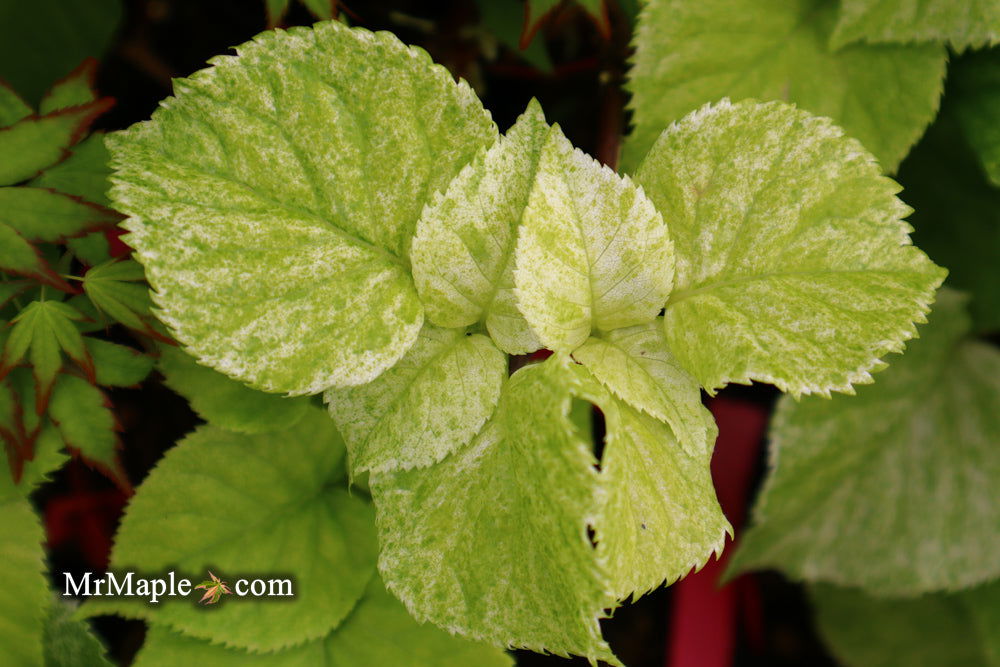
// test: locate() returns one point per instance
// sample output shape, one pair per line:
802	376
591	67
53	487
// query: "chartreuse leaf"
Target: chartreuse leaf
74	89
593	252
34	143
224	402
243	504
118	365
691	52
426	406
463	250
970	23
886	491
314	151
794	265
116	289
659	517
636	364
529	477
39	214
12	107
68	642
959	630
24	596
377	632
42	331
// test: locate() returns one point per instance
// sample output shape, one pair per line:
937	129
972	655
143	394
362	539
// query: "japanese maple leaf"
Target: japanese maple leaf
215	588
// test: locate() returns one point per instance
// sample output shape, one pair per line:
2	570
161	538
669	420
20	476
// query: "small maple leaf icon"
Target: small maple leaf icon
215	588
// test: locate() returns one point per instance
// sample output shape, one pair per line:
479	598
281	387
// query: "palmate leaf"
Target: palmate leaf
530	475
83	174
377	632
116	290
593	252
692	52
957	630
224	402
264	503
887	490
42	332
793	263
966	24
463	249
315	151
426	406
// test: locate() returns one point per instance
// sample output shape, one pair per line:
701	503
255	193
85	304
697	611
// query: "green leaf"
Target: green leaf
506	26
19	257
636	364
12	107
75	89
428	405
691	52
118	365
115	289
43	39
794	265
39	214
69	642
966	24
885	491
24	597
314	151
83	174
929	631
34	143
378	632
83	416
463	250
593	252
253	504
224	402
492	542
45	328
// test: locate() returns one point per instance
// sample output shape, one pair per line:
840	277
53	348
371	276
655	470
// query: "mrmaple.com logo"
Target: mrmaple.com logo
131	585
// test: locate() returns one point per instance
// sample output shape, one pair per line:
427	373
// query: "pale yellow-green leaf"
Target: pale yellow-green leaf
429	404
593	253
892	490
272	201
794	265
463	250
